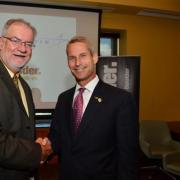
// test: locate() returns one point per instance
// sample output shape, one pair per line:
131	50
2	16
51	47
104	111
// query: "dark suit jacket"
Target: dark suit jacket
106	146
18	152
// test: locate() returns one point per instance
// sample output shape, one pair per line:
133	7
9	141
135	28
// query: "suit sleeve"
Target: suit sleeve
54	133
16	153
127	139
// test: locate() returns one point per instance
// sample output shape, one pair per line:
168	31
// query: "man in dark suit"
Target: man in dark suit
19	154
104	146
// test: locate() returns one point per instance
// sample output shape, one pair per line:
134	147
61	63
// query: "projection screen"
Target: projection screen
47	72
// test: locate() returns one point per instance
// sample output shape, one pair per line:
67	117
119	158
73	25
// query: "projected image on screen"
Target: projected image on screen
47	72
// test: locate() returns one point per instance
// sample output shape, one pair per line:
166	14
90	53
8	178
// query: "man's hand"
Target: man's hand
45	147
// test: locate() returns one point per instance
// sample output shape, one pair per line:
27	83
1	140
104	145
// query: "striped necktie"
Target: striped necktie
78	109
21	93
15	80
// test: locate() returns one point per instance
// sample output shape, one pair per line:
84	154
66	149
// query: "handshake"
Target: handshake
46	148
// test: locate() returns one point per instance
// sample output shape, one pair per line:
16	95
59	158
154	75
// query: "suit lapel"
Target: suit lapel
69	113
4	75
29	99
94	104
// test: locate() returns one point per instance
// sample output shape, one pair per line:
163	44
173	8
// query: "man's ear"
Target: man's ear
95	58
1	43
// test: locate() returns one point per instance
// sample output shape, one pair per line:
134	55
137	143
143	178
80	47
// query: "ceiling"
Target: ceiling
159	8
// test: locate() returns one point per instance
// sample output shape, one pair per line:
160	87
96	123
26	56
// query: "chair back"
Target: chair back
155	131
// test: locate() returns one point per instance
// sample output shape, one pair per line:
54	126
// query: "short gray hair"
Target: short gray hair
20	21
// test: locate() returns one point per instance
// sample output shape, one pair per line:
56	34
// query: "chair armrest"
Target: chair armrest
175	144
145	147
171	157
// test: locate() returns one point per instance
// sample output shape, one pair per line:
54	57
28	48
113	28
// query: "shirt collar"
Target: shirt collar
91	85
10	72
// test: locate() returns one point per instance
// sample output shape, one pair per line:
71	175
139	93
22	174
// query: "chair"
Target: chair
171	162
156	140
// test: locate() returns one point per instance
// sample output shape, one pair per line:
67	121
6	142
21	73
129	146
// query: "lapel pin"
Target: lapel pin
98	99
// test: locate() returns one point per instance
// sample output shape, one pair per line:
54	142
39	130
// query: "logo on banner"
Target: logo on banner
110	74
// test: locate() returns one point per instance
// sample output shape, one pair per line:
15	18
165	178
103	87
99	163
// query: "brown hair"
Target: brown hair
81	39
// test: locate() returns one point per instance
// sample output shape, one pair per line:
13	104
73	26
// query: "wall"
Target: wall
157	41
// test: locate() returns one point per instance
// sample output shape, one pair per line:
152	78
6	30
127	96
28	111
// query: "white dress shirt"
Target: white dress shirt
89	88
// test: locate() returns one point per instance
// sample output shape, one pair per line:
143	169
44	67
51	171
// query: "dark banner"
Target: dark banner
122	72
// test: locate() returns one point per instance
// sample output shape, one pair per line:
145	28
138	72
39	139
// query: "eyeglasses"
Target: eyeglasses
17	42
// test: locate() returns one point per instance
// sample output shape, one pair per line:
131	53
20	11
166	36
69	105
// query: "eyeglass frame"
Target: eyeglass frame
16	41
